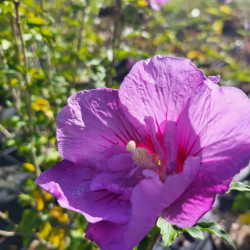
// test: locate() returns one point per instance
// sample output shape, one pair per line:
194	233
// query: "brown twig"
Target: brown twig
2	60
49	67
14	34
16	233
115	39
27	84
77	61
3	216
5	131
23	233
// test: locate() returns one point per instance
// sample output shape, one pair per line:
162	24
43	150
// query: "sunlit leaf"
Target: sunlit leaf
29	166
57	213
142	3
225	9
215	229
239	186
144	243
57	237
218	26
245	218
36	20
45	230
168	232
195	232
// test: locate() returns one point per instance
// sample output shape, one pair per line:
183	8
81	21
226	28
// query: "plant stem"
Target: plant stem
2	60
77	60
25	233
115	39
14	34
154	240
27	84
49	66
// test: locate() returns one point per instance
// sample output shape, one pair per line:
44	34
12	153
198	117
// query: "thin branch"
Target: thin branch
5	131
3	216
16	233
49	66
23	233
8	234
115	39
2	60
77	61
27	83
14	34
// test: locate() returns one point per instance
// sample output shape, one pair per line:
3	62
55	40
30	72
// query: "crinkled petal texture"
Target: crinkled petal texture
158	88
91	123
216	127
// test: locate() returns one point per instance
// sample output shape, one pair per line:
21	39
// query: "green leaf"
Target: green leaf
25	199
214	228
30	220
240	186
144	243
147	240
195	232
36	20
168	232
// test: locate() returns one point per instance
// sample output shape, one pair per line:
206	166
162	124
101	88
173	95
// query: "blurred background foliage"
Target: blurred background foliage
51	49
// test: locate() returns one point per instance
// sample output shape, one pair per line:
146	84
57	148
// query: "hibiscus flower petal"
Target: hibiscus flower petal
70	184
90	123
156	4
160	88
148	199
145	198
215	126
115	159
108	235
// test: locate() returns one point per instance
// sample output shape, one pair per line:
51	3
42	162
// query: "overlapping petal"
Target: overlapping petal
71	184
90	123
159	88
148	199
215	126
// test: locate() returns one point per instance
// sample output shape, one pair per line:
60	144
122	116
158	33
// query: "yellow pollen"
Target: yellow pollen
140	155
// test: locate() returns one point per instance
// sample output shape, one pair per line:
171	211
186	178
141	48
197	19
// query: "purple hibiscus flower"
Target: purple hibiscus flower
224	1
156	4
164	144
247	25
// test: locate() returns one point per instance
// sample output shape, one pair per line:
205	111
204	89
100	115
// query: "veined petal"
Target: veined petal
159	88
215	126
171	146
90	123
148	199
71	184
145	202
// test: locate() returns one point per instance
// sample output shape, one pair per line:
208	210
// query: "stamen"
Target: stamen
131	146
141	155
